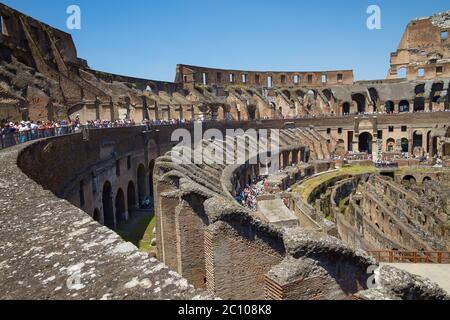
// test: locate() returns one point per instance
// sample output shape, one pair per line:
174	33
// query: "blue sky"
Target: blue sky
147	38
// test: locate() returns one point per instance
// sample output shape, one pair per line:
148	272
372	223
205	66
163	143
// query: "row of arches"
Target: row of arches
119	208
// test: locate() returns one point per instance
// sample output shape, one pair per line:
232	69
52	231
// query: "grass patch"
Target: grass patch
305	188
343	205
139	231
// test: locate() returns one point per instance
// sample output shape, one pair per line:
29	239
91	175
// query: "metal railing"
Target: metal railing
393	256
10	139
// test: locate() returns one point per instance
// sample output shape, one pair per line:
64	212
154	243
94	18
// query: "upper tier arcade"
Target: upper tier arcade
192	75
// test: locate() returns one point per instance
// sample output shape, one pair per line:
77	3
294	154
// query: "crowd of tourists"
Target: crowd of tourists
248	195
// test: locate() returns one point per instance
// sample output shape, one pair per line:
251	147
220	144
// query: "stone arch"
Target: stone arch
389	107
346	108
108	209
251	109
131	197
121	214
410	179
417	139
405	145
401	73
365	142
426	178
390	145
419	89
360	100
142	182
419	104
403	106
97	215
374	97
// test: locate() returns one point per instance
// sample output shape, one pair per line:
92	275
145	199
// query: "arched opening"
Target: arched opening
96	216
251	112
360	101
436	88
389	107
390	145
142	181
401	73
417	139
419	104
108	210
436	102
403	106
409	179
120	207
426	179
365	142
419	89
405	145
131	197
435	146
346	108
374	97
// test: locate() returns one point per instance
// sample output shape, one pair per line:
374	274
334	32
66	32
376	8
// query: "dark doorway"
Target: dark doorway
389	107
365	142
405	145
108	210
96	215
346	108
131	197
417	140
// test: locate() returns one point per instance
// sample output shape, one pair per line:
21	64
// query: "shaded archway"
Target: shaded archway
409	179
251	109
360	101
142	181
346	108
390	145
426	179
96	216
405	145
389	107
108	209
419	104
403	106
365	142
417	139
131	197
120	207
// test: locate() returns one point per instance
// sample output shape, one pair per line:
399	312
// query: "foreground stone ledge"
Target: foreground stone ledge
45	241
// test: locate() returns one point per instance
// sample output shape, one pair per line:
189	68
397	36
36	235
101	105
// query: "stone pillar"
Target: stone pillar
190	222
355	142
165	208
396	107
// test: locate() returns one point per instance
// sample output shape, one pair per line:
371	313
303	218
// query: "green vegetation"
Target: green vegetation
305	188
343	205
139	231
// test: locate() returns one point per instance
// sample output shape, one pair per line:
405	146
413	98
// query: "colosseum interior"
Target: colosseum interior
363	177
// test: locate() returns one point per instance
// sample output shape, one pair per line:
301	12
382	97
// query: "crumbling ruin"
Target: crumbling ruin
209	245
